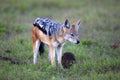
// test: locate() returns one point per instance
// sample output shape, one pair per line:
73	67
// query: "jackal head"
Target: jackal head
71	31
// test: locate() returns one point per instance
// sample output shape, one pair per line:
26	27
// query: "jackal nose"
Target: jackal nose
78	42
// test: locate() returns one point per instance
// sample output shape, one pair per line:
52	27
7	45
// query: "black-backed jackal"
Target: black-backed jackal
54	35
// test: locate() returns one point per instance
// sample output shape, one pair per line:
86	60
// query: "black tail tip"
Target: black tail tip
41	48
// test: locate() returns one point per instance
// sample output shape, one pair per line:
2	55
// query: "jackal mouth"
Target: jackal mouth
74	41
77	42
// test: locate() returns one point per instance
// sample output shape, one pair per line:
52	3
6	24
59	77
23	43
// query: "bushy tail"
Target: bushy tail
41	48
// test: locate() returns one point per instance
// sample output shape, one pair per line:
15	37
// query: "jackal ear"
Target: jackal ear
67	24
78	24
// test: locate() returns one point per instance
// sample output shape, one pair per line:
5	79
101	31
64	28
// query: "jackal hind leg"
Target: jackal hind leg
36	51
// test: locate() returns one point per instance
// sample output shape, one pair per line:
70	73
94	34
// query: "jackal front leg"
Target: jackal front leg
52	54
59	54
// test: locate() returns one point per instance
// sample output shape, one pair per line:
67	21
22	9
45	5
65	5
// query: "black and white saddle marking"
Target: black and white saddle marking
47	25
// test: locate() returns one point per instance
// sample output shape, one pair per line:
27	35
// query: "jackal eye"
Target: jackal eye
71	34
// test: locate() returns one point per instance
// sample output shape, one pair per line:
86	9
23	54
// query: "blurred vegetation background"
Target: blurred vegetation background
98	54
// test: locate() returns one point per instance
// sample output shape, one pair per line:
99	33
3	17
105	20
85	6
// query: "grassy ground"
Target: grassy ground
96	60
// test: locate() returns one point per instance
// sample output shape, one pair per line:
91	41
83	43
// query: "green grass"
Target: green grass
96	60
